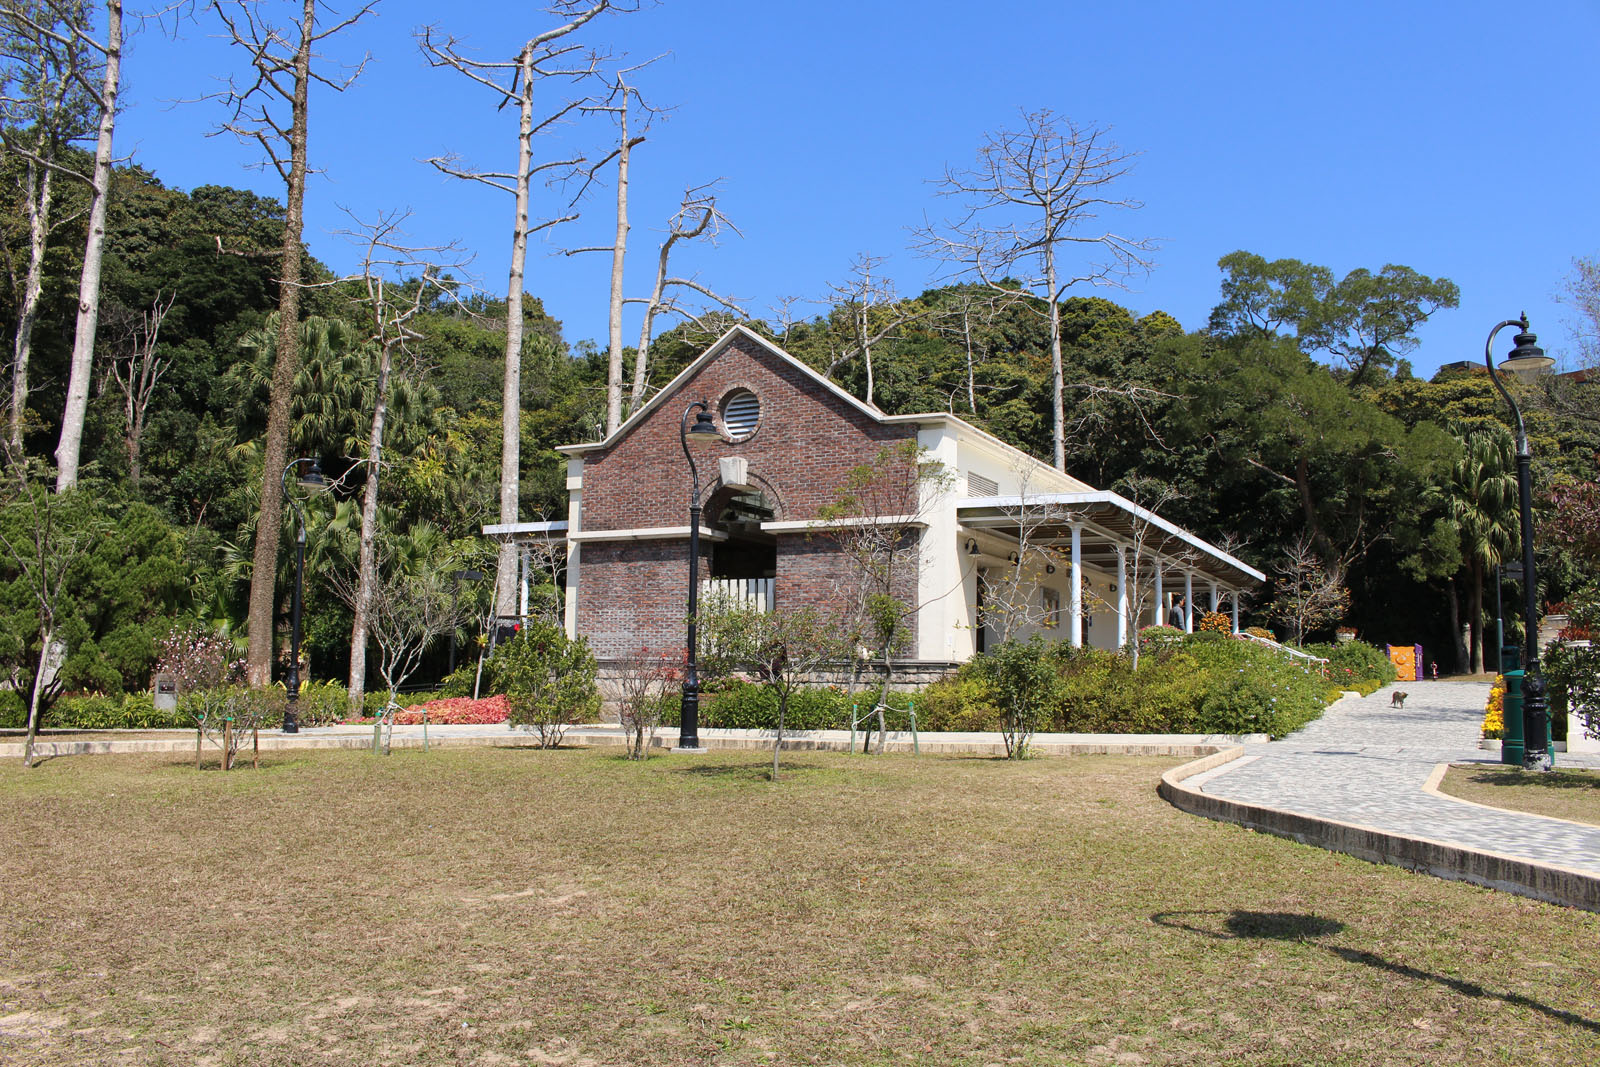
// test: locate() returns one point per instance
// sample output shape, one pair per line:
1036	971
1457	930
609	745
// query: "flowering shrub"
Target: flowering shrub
455	711
1215	622
1494	715
1261	632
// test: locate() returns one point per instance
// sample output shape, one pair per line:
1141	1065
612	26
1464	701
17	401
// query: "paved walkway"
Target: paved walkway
1365	762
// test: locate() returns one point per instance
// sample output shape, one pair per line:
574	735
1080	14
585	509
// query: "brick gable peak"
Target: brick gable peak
734	333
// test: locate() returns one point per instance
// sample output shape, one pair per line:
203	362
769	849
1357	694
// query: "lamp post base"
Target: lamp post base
687	751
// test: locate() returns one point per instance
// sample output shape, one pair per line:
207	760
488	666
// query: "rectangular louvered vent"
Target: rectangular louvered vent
978	485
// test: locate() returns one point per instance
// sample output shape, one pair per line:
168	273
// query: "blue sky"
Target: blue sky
1457	138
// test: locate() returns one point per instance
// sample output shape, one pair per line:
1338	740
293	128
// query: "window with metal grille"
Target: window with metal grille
978	485
741	411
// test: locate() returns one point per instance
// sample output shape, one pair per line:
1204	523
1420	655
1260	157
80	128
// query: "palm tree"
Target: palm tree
1479	496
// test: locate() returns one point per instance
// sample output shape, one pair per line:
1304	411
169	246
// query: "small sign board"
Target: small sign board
166	692
1513	572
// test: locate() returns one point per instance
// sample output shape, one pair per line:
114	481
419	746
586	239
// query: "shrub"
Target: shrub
1215	622
961	702
1356	662
321	703
13	710
97	711
548	678
1023	681
1261	632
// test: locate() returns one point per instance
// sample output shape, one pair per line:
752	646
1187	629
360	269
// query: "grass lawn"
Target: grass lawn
1569	793
496	906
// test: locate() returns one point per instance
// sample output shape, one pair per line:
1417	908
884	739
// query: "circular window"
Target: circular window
741	412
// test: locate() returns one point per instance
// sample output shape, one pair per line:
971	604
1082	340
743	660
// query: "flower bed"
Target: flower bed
454	711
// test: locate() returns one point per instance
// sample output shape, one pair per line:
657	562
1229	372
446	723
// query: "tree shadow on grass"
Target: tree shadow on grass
754	772
1512	777
1291	926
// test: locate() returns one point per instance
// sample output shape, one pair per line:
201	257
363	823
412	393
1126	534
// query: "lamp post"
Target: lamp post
1526	359
703	433
312	481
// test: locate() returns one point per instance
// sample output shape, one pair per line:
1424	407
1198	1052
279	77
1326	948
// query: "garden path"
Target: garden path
1366	762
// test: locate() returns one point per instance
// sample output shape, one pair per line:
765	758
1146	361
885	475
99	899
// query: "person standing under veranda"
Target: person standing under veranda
1176	616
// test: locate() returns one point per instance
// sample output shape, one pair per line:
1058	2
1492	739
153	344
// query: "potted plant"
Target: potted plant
1345	633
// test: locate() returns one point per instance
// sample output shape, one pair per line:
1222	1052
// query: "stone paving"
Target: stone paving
1366	762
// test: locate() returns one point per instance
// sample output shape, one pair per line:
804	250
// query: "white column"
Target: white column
1076	614
522	582
1235	596
1188	603
1215	602
1161	596
1122	597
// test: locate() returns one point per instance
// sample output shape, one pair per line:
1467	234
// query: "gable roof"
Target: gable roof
734	333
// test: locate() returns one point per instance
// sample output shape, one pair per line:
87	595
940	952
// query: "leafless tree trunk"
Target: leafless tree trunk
280	61
390	314
110	53
44	106
857	298
541	58
1033	193
137	370
697	216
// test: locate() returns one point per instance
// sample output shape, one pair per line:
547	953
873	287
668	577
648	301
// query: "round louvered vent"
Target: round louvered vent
741	411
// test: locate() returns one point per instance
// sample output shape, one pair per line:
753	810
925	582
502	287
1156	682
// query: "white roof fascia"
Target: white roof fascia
647	533
705	357
984	437
503	529
1116	500
824	525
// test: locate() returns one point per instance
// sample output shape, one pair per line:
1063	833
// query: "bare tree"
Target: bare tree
622	105
876	520
697	217
1582	292
1033	194
783	649
136	368
858	298
44	107
1009	592
408	608
543	58
1310	593
65	27
972	312
279	58
1150	495
642	681
391	307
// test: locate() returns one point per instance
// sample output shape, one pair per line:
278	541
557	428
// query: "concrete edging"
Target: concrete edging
1541	881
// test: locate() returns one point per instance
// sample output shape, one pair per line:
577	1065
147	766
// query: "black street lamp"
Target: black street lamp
704	432
1526	359
312	481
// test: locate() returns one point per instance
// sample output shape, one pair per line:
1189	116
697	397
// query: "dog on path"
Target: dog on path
1398	700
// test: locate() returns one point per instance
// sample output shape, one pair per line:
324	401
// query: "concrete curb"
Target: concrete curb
1541	881
932	744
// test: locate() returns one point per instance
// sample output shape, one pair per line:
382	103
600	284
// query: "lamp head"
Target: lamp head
312	480
1527	360
704	430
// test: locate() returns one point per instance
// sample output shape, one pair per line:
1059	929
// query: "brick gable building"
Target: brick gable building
788	439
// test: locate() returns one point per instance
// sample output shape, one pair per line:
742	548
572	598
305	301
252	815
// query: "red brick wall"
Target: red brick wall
633	594
806	442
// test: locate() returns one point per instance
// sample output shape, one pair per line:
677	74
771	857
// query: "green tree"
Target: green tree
1479	497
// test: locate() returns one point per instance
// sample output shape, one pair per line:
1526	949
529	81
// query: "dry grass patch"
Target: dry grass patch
481	906
1564	793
